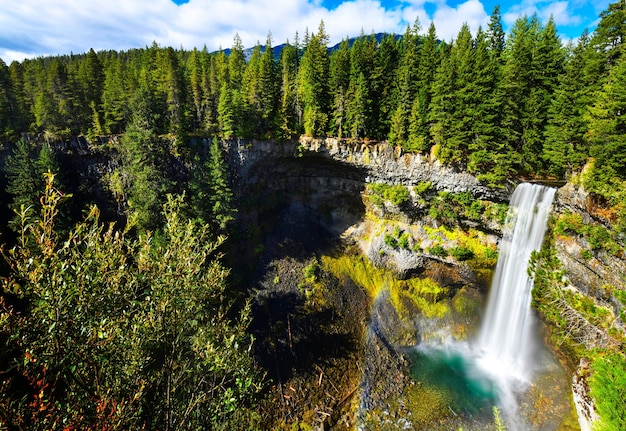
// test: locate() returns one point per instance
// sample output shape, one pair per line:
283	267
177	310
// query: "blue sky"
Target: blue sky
30	28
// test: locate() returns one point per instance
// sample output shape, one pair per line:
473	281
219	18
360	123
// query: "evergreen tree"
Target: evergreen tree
313	83
252	95
114	97
8	104
518	116
91	80
360	111
25	169
268	90
610	34
144	157
406	79
419	126
290	107
442	106
459	118
383	80
566	149
340	84
490	158
607	134
547	67
495	34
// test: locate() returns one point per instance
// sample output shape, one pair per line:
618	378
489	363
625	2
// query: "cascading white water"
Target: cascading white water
504	339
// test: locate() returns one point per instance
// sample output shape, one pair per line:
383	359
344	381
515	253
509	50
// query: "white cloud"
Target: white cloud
563	12
448	21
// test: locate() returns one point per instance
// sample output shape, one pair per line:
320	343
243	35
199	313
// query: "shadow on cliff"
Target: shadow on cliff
292	209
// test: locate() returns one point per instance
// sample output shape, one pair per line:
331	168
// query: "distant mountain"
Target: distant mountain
278	48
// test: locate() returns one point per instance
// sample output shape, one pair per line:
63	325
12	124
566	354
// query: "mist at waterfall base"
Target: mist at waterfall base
498	365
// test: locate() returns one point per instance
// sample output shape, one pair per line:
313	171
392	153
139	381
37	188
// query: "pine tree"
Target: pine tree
362	58
290	108
419	126
490	157
313	83
91	80
144	157
517	85
383	79
251	93
406	79
607	134
340	85
25	169
566	150
114	97
8	104
268	90
442	106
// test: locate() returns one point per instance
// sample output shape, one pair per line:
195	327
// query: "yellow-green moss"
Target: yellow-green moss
407	296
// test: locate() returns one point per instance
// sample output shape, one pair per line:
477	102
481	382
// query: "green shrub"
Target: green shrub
586	254
391	241
403	240
397	194
438	250
311	271
598	237
111	318
620	295
570	223
422	187
608	389
461	253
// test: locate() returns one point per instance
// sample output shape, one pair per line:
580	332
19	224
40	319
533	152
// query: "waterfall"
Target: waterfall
505	340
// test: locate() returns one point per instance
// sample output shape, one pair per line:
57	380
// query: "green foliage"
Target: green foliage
211	196
395	194
570	223
423	187
449	208
438	250
311	271
25	169
403	240
122	333
497	419
598	237
461	253
391	241
608	389
586	254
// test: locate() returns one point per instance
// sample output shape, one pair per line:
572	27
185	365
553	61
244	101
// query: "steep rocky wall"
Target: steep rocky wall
380	162
388	164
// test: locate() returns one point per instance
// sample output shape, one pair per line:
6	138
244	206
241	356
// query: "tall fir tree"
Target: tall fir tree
419	126
290	107
340	84
607	134
313	83
406	79
566	149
